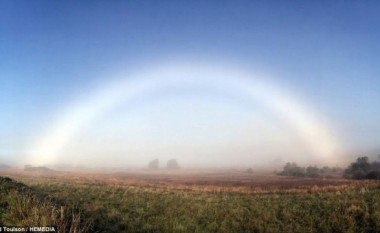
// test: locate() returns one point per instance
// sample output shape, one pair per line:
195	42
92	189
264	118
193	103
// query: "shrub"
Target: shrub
373	175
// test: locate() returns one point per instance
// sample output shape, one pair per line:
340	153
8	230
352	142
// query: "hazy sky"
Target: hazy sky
57	57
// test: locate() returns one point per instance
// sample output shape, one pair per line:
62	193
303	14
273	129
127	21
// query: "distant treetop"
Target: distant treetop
172	164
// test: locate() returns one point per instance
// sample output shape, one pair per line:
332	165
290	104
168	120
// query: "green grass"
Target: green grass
23	206
147	209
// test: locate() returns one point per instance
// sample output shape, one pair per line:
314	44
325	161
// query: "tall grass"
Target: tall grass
126	208
149	209
22	206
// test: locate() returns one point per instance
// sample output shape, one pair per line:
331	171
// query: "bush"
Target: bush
373	175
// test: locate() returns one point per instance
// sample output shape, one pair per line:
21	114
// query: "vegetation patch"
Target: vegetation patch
140	208
363	169
23	206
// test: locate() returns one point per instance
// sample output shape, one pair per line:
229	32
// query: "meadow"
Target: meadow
219	201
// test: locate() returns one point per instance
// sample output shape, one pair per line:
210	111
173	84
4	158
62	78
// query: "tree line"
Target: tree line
292	169
170	164
362	168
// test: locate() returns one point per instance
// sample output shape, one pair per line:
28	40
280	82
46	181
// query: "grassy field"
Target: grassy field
220	201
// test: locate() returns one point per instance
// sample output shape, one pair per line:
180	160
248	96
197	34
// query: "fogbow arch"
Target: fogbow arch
318	136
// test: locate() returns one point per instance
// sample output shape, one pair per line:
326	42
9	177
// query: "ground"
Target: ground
214	200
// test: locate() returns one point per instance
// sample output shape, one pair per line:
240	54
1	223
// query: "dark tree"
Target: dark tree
375	165
362	163
172	164
292	169
154	164
359	169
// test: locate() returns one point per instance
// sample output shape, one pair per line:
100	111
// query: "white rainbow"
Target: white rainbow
318	136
